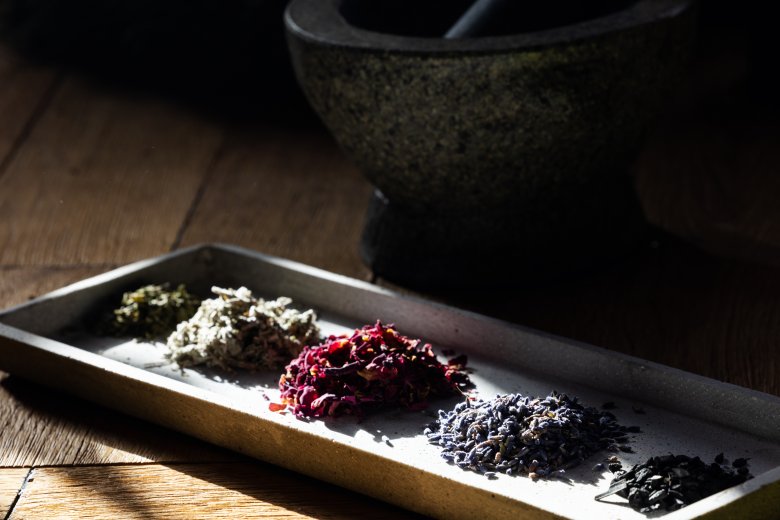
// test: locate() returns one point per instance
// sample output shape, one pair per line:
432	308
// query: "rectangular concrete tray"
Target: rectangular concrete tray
386	456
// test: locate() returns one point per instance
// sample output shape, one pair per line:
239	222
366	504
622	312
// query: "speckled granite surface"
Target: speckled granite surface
533	140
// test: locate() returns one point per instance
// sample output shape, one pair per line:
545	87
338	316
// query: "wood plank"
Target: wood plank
19	284
104	177
22	89
286	193
11	480
43	427
189	492
715	183
708	172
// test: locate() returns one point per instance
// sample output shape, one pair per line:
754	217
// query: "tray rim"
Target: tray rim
363	286
78	355
299	267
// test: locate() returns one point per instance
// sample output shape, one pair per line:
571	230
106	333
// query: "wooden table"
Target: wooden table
93	177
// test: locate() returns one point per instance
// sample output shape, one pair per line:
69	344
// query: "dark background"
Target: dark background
229	56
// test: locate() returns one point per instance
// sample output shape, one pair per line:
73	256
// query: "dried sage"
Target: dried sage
238	330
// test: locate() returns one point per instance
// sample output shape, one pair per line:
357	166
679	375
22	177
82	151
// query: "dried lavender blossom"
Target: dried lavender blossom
238	330
513	434
151	311
670	482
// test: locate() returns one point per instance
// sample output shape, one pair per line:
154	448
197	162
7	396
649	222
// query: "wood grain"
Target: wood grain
709	170
42	427
715	182
286	193
102	178
19	284
22	91
11	480
189	492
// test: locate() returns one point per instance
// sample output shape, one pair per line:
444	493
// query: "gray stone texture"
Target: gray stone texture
494	141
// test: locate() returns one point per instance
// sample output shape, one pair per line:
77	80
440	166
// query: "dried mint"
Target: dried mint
669	482
151	311
238	330
514	434
375	367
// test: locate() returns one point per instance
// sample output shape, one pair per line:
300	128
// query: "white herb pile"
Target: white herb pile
238	330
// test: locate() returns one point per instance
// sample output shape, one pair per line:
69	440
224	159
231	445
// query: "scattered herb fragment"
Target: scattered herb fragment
238	330
513	434
670	482
151	311
375	367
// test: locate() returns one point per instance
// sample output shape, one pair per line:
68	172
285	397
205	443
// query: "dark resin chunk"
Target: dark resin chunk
670	482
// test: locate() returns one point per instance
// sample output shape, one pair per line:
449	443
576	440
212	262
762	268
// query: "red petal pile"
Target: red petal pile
375	367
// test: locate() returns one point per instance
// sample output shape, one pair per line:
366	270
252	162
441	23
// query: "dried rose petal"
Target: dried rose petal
276	407
375	367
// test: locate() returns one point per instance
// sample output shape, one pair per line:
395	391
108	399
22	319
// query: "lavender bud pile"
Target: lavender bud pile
514	434
670	482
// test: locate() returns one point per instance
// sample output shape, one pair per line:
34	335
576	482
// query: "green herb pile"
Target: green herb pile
151	312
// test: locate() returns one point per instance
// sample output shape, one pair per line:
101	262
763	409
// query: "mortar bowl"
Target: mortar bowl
504	152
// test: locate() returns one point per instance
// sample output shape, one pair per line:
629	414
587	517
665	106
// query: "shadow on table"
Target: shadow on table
226	58
61	430
58	429
274	487
50	419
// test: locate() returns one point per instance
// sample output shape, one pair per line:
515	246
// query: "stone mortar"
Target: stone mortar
508	130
